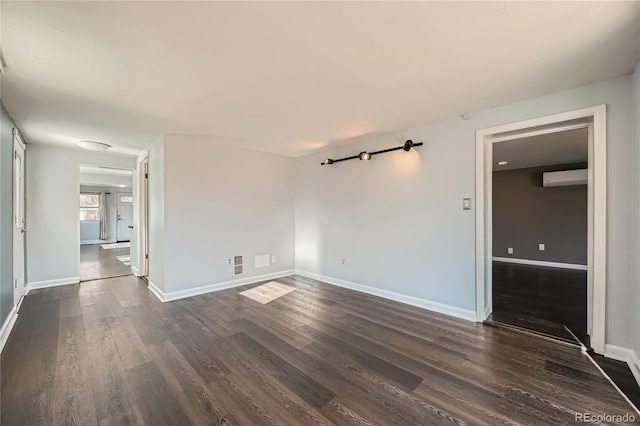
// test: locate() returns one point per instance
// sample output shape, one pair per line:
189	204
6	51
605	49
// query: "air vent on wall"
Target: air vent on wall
238	268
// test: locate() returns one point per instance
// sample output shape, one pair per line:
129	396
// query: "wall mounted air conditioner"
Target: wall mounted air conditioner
565	178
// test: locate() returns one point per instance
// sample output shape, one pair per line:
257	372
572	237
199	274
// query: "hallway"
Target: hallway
97	262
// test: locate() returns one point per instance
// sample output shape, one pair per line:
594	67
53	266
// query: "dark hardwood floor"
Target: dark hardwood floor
622	376
98	263
540	299
108	352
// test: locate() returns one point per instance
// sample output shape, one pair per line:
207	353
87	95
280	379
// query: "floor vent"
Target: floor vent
238	268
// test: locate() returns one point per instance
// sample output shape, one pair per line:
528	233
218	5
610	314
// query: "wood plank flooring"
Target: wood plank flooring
108	352
541	299
98	263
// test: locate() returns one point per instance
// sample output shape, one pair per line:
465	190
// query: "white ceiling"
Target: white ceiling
293	77
566	147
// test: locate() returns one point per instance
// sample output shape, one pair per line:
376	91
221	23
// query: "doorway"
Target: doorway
593	118
124	216
540	215
19	221
105	215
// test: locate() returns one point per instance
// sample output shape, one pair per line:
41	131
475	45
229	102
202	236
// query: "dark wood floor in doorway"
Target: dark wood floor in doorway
108	352
99	263
541	299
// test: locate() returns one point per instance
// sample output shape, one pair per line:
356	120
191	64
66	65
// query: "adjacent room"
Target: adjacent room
540	215
338	213
106	222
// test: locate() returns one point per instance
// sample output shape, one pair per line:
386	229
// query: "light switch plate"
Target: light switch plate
466	204
541	247
510	250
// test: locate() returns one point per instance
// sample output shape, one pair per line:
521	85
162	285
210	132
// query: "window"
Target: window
89	207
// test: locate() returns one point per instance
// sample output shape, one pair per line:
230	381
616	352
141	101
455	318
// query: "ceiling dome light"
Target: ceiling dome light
364	155
502	163
93	146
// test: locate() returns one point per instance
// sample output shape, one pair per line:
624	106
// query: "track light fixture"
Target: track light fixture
364	155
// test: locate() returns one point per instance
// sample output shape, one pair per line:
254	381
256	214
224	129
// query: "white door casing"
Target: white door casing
124	206
19	221
597	219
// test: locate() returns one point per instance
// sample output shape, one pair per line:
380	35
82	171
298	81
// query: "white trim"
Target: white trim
538	132
626	355
175	295
87	242
541	263
140	216
52	283
442	308
156	291
597	216
135	271
5	331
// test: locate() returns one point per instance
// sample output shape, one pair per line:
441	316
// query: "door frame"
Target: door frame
596	119
140	250
18	140
111	188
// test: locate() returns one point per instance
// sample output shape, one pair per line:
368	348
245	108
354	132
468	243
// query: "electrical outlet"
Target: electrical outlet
541	247
274	259
510	250
343	260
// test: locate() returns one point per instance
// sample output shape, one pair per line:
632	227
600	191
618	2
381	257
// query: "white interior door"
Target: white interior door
19	222
124	205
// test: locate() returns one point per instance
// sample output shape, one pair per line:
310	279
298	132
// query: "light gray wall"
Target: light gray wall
398	219
93	179
156	215
90	230
222	201
6	214
636	233
52	208
525	214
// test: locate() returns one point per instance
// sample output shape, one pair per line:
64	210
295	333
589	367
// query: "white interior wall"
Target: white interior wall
52	209
103	179
398	219
156	225
222	201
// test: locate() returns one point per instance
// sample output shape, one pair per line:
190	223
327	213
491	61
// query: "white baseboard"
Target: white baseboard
156	291
175	295
541	263
626	355
51	283
398	297
135	271
87	242
5	331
